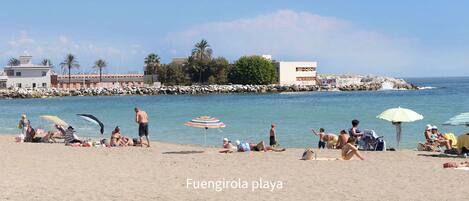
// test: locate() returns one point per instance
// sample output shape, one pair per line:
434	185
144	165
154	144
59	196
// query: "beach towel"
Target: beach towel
452	138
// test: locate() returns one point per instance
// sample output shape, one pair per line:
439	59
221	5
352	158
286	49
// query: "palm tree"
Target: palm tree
202	51
201	54
69	62
99	65
47	62
152	62
13	62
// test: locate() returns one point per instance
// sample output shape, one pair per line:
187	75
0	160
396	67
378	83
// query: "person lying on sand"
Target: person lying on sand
228	147
456	165
262	147
137	142
349	150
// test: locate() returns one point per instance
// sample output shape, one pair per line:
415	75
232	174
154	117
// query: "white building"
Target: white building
3	80
297	72
28	75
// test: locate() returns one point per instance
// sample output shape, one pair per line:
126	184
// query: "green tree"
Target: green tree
218	71
173	74
68	64
200	57
13	62
99	65
253	70
152	62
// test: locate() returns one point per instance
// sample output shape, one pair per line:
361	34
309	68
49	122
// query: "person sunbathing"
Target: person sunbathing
435	138
349	150
118	140
228	147
262	147
456	165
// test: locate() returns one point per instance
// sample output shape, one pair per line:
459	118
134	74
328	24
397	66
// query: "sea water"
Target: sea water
248	116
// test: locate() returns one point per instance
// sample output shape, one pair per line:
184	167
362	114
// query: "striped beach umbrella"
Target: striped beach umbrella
461	119
205	122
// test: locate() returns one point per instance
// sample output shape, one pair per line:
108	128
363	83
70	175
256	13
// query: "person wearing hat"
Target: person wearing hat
428	134
70	136
227	146
23	124
438	137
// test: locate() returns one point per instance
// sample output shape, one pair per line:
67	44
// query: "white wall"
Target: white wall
288	74
28	77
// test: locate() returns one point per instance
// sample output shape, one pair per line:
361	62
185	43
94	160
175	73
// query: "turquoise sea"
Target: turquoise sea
248	116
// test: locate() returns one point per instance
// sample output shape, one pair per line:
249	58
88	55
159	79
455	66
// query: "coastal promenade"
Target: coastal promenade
177	172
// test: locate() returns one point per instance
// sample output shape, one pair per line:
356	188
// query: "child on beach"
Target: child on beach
321	135
326	140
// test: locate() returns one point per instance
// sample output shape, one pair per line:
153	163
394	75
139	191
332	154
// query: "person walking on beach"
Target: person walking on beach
141	118
273	136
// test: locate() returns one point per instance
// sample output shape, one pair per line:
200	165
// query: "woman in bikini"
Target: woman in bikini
349	150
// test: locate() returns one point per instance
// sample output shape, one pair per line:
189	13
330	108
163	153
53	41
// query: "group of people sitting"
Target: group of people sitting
346	141
69	137
29	134
435	140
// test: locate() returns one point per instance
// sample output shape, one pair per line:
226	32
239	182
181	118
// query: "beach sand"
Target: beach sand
56	172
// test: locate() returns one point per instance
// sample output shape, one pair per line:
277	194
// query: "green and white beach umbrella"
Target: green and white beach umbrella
397	116
458	120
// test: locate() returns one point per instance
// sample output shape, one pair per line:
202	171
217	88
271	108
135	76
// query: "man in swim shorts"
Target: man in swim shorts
141	118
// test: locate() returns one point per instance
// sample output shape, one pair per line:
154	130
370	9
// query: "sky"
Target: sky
420	38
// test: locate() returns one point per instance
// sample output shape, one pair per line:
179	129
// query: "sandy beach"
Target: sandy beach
177	172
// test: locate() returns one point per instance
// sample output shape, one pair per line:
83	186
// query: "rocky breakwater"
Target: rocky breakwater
164	90
363	83
350	84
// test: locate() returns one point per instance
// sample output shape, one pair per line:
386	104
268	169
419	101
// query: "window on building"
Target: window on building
44	84
305	78
303	69
34	85
18	74
10	72
44	73
18	85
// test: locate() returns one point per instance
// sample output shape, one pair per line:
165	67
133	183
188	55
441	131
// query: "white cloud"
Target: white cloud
22	39
339	45
56	47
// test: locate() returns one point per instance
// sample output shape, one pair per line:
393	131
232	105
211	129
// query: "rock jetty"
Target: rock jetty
368	84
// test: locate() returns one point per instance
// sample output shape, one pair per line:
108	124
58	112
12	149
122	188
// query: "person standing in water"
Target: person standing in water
141	118
273	136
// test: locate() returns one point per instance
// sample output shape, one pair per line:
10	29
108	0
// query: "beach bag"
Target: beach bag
308	154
